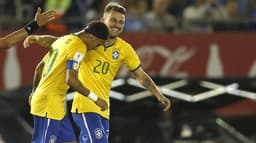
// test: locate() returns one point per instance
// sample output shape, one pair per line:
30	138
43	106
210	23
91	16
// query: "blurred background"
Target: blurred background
201	54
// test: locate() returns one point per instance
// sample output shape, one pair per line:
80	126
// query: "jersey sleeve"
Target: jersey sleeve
75	54
131	60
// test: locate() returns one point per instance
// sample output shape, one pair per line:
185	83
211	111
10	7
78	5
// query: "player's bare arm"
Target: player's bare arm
19	35
149	84
42	40
74	82
37	77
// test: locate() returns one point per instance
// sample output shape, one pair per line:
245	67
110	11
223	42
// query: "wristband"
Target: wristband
31	27
93	96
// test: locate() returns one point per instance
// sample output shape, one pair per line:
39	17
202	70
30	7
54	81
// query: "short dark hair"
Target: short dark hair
115	7
98	29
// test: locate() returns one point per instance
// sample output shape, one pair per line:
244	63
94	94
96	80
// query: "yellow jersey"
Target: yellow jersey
98	71
49	97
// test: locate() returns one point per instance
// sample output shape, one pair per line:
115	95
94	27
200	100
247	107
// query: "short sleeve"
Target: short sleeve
76	51
131	60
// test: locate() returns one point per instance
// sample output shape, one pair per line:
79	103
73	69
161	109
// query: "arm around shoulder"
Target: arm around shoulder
42	40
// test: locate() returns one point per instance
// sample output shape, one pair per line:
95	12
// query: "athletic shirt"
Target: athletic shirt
49	97
98	71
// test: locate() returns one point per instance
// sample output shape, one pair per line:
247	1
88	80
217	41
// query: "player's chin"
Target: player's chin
112	36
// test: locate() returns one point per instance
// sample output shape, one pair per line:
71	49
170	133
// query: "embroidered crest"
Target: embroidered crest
115	54
98	133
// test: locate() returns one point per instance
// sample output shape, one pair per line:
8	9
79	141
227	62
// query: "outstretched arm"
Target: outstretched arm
19	35
149	84
42	40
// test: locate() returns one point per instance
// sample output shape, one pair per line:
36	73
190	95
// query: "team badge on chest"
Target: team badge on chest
115	54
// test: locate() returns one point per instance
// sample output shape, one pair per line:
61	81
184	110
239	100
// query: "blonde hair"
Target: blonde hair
115	7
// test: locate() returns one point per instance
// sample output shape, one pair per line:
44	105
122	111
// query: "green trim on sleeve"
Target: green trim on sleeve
136	68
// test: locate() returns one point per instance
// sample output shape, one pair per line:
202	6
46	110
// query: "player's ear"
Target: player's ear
91	36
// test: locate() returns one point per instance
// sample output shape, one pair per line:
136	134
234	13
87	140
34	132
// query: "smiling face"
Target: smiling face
115	22
114	18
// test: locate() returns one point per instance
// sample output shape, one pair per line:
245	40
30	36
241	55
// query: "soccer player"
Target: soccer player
97	73
19	35
104	65
54	75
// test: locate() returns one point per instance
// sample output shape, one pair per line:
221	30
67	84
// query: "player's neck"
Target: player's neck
109	42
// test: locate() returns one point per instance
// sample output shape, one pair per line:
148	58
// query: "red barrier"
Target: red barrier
182	55
196	55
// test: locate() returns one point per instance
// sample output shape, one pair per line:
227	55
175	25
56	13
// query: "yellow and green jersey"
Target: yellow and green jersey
49	97
98	71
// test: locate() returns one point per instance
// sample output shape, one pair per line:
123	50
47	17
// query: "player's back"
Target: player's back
50	93
54	72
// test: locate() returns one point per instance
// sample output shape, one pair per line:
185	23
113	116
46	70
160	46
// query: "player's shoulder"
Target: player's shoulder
72	40
123	43
69	36
69	42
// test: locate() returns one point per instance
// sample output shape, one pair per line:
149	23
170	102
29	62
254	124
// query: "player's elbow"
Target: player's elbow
69	81
72	81
72	78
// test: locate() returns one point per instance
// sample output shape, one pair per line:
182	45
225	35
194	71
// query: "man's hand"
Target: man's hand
165	101
45	17
29	40
101	103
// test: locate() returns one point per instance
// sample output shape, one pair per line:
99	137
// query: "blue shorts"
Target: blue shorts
52	131
93	127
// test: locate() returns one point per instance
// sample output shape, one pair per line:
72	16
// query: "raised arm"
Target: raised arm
19	35
149	84
42	40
